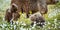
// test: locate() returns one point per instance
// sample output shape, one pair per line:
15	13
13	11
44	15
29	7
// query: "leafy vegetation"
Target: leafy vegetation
52	19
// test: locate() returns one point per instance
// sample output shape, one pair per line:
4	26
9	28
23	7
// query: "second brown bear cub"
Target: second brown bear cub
38	19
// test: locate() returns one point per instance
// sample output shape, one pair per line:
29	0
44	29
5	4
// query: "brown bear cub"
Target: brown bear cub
37	19
11	13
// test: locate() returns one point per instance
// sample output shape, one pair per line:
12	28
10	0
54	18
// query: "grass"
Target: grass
52	23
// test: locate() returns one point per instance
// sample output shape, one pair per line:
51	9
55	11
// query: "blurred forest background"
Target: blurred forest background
52	19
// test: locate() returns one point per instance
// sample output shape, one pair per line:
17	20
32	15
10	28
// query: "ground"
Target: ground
52	19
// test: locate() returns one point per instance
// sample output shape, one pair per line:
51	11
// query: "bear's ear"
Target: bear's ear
14	7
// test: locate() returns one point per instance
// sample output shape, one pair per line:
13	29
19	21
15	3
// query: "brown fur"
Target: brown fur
8	16
51	1
38	18
11	13
31	5
26	6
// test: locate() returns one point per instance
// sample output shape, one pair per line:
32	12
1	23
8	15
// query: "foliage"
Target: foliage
23	23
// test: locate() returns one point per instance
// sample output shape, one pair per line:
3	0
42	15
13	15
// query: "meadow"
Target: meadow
52	19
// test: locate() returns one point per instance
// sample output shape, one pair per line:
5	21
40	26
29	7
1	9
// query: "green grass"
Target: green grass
52	21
